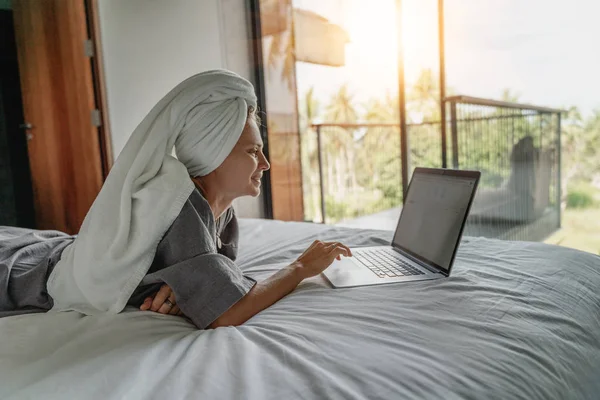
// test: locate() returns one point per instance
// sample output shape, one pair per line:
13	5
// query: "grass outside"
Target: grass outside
580	230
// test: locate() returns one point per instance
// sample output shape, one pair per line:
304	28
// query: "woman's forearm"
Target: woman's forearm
261	296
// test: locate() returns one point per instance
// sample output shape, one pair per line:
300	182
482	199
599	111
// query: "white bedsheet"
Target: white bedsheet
515	321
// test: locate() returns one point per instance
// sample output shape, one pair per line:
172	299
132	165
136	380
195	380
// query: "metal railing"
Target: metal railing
354	170
519	194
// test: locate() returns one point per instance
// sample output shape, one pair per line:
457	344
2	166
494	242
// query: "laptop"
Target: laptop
427	234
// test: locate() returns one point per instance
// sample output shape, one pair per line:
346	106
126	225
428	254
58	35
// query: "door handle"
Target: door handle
26	127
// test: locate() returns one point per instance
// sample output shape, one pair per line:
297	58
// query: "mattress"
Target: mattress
515	320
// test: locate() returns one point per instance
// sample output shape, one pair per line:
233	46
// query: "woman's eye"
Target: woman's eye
255	152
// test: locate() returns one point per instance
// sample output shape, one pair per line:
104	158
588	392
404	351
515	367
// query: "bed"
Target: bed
516	320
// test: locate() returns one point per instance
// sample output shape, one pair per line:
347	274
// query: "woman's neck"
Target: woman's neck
218	204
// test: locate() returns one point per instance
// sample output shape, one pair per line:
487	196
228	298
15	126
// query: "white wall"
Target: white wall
151	46
148	48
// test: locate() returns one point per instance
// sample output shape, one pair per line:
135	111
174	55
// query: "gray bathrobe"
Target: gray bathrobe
195	258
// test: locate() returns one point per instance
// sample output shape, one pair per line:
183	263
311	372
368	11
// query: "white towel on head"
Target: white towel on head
203	117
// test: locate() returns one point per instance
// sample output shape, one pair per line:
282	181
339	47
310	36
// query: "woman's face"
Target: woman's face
241	172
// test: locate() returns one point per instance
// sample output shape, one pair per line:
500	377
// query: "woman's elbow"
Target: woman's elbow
217	323
223	321
234	316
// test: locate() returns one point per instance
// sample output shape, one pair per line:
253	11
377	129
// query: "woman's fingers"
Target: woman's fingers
163	302
347	248
314	244
331	245
328	246
336	246
336	253
146	304
320	255
334	250
168	304
348	252
160	297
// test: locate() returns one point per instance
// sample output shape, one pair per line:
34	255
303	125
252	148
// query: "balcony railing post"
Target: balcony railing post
321	183
558	188
454	132
442	52
402	103
443	132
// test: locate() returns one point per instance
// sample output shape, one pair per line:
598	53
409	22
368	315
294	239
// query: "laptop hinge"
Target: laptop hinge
421	263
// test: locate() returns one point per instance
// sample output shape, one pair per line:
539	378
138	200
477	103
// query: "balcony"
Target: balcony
352	173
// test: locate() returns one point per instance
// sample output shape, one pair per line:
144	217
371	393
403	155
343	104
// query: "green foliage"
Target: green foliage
341	107
580	229
581	146
425	146
339	210
581	195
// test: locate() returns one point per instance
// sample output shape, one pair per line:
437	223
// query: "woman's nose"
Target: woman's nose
264	165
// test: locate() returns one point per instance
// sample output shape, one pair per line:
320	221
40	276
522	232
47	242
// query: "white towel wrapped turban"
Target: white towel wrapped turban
215	124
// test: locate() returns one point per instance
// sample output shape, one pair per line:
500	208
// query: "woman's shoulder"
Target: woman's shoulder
189	234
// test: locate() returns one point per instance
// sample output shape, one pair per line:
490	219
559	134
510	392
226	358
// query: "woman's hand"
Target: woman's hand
163	302
319	256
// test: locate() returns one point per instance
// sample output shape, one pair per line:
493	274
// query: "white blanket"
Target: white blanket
515	320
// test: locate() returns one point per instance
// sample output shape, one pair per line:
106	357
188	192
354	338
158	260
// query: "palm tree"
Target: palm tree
309	111
382	112
509	96
339	142
423	98
385	111
281	53
341	107
380	157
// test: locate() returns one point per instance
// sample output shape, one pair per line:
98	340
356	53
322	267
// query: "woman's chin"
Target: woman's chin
254	188
253	191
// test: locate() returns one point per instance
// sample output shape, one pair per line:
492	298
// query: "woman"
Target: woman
161	234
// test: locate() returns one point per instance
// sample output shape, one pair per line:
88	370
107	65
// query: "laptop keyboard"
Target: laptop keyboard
385	262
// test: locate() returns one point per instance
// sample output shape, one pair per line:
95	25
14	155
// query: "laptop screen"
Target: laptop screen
433	215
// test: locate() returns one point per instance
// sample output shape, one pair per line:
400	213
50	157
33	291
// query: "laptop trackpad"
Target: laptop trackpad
347	272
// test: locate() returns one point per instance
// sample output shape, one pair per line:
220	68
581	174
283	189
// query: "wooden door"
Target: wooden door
58	101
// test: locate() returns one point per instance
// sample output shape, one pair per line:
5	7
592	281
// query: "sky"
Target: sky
545	51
